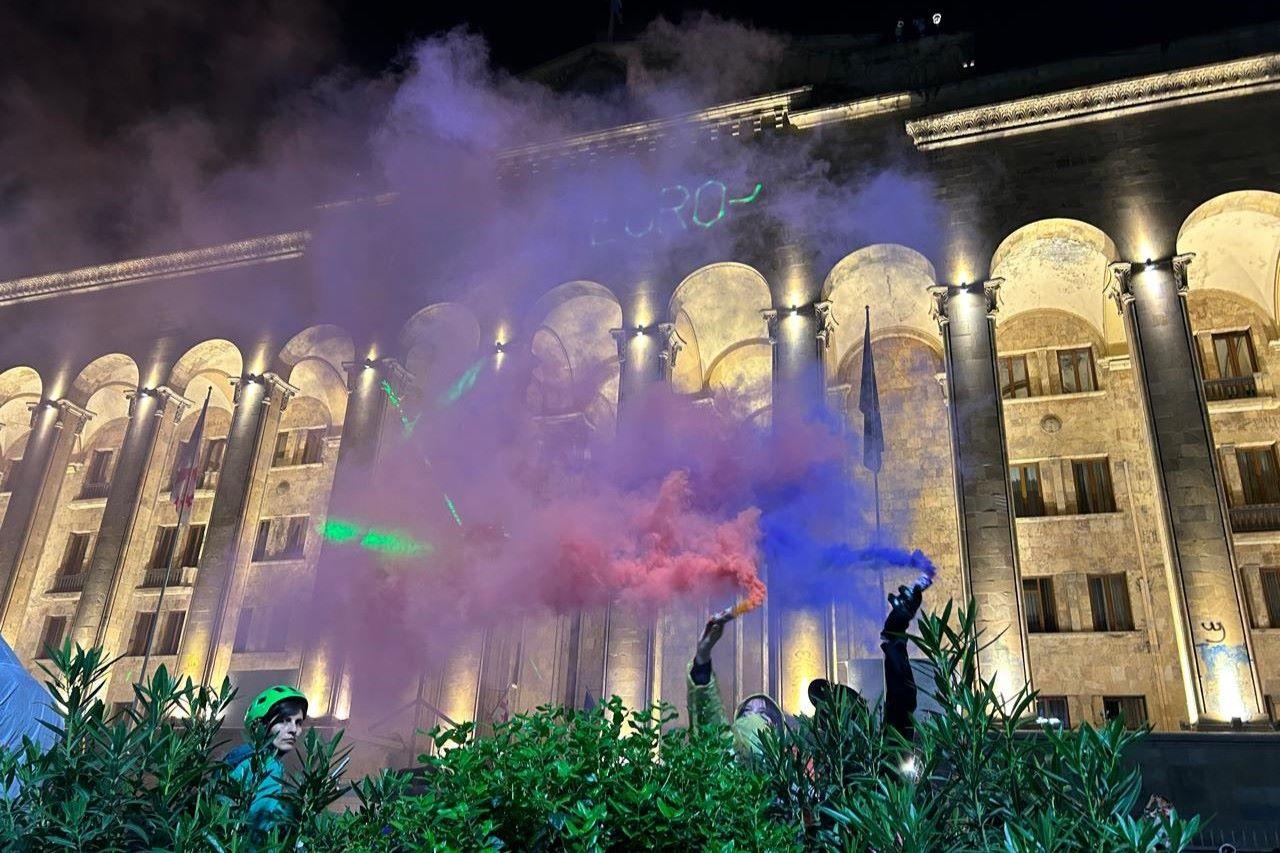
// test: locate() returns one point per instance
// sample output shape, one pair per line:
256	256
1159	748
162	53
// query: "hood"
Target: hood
776	717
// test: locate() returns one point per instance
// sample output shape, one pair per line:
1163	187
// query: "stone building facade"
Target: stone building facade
1081	424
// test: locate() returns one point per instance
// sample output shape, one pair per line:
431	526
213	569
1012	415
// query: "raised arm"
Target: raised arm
705	706
899	680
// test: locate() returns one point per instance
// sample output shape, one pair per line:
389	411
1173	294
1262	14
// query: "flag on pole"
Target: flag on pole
869	405
186	471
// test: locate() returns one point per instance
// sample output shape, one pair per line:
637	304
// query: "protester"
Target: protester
759	711
754	714
276	714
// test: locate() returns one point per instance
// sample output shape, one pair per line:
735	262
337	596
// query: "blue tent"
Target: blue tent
23	704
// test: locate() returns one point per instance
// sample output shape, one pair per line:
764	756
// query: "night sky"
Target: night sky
111	64
114	115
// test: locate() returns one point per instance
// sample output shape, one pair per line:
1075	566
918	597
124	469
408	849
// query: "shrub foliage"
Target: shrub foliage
975	778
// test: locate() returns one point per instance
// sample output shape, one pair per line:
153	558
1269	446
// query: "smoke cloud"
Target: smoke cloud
523	511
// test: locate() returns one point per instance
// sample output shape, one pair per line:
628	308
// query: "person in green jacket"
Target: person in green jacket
759	712
279	712
753	715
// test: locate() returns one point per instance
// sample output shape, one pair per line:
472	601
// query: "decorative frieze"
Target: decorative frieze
275	247
1093	103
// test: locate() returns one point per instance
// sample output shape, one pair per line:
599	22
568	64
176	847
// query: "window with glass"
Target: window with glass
76	556
1039	604
298	447
281	538
99	470
165	536
170	633
1028	499
1076	369
1258	474
1015	382
55	631
97	478
1131	709
1270	581
1094	491
192	546
262	629
1233	351
211	455
1109	601
143	621
1053	708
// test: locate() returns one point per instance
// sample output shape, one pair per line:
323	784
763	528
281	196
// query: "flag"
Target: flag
869	405
186	470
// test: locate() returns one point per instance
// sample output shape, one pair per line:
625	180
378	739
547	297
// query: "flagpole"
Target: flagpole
184	518
184	480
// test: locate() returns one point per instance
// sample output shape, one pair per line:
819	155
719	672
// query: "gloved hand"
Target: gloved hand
905	604
710	636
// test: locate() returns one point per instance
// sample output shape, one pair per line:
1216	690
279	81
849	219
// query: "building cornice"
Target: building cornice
257	250
853	110
764	112
1098	102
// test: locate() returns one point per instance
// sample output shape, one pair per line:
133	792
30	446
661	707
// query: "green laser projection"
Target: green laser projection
339	531
679	208
465	382
396	401
453	510
386	542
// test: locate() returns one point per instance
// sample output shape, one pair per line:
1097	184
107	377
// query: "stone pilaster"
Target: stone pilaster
647	354
799	327
205	653
127	513
988	536
1219	671
369	415
37	487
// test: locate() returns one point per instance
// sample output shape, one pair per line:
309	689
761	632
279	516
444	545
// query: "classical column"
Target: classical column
799	327
364	427
126	515
647	353
1220	677
205	653
37	485
988	535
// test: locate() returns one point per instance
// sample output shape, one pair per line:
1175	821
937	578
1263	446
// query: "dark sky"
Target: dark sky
108	64
119	118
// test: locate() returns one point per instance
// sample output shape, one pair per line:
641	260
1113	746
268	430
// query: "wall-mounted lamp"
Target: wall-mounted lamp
794	310
369	364
499	347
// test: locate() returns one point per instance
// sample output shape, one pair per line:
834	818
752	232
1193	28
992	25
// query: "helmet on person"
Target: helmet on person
267	699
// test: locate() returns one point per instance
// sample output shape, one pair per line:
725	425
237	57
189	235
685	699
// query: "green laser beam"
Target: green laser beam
339	531
747	199
387	542
464	383
453	510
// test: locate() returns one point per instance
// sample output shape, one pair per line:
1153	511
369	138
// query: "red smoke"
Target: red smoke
659	550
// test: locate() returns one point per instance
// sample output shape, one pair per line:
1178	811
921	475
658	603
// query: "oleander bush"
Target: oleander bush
975	778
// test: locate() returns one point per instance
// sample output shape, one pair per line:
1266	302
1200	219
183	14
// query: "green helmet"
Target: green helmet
268	698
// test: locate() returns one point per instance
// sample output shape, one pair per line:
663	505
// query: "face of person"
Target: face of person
755	706
284	733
